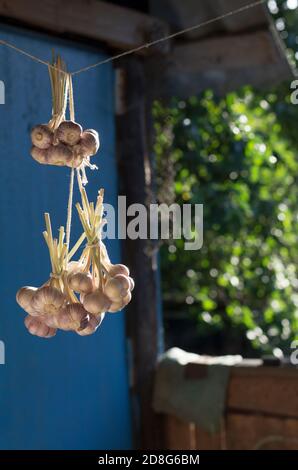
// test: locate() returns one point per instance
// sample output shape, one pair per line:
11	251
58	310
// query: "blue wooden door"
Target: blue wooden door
68	392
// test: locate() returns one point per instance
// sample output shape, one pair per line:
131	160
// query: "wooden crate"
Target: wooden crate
261	413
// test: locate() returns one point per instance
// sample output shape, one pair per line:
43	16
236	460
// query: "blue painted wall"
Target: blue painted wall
68	392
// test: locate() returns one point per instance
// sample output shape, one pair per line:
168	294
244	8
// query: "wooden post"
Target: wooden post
135	184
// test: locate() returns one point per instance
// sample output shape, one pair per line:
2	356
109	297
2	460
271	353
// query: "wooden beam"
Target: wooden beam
119	27
181	15
224	63
226	52
251	19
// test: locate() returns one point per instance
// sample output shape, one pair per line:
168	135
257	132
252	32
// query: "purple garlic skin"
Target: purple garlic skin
41	136
39	155
92	325
69	132
59	155
89	143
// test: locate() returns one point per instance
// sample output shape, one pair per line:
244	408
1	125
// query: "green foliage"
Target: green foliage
285	15
238	156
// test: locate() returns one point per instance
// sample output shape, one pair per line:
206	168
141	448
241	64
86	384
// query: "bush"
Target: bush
238	156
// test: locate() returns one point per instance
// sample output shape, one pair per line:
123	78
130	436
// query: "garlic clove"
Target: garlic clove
48	300
39	155
118	269
41	136
51	321
34	313
73	317
59	155
116	306
69	132
93	323
96	302
89	143
80	282
38	328
24	296
125	283
117	287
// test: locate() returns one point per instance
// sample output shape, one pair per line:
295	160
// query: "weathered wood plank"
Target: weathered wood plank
119	27
179	435
208	441
270	390
257	432
224	63
225	52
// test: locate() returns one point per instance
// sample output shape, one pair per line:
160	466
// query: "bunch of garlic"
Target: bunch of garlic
67	145
50	308
110	295
79	293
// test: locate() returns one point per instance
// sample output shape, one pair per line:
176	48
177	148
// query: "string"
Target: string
143	46
30	56
71	183
170	36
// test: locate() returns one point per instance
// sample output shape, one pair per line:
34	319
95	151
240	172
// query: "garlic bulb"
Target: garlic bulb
51	320
96	302
120	304
118	269
39	155
93	323
34	313
69	132
89	143
117	287
38	328
73	317
41	136
59	155
24	297
48	300
80	282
